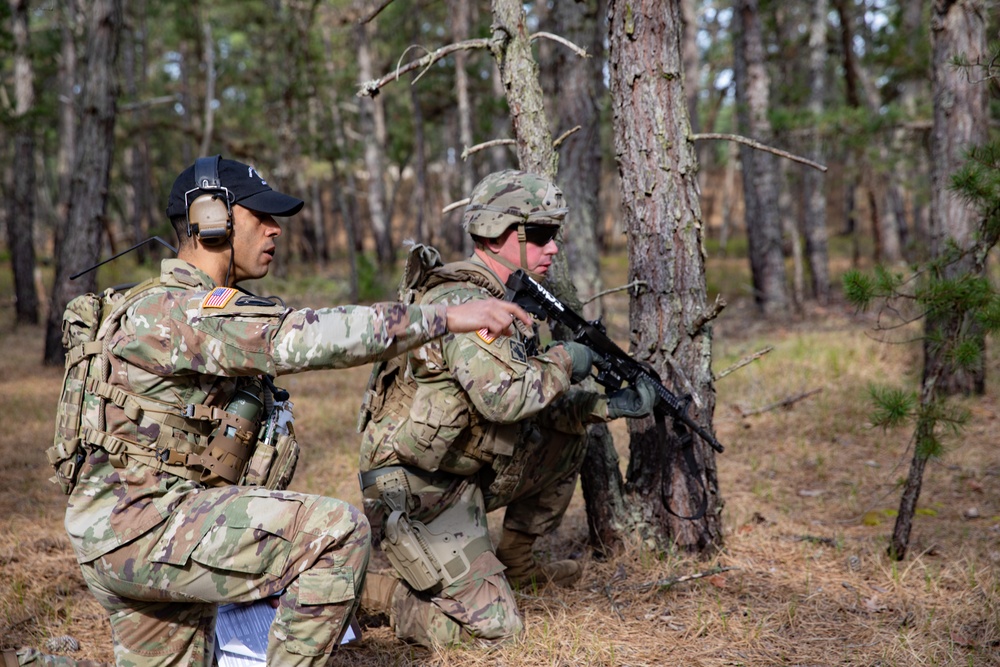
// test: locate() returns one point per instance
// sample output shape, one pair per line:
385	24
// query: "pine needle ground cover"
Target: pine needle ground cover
810	493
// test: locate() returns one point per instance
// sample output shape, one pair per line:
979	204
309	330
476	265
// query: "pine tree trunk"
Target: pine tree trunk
760	174
370	112
658	171
91	171
578	89
519	74
21	217
459	32
814	218
961	119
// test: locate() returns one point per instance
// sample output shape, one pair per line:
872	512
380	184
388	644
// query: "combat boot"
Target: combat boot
376	596
524	571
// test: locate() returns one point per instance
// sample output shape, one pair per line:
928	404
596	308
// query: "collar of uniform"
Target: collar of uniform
184	273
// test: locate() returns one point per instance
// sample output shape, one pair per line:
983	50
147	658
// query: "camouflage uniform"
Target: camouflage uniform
477	423
160	551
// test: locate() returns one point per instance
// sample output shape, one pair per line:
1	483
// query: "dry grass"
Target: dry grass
810	491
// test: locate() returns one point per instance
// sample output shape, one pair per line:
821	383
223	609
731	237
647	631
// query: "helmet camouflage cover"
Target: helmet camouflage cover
510	197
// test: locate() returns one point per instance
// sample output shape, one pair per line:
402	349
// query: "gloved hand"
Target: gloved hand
636	400
583	359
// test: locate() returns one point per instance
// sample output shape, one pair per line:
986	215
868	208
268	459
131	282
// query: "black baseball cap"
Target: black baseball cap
246	187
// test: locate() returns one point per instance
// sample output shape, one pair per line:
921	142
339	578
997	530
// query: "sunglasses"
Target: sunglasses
540	235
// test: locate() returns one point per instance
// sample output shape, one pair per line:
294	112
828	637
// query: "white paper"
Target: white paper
241	633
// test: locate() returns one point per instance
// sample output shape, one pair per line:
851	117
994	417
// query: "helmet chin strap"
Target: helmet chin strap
522	240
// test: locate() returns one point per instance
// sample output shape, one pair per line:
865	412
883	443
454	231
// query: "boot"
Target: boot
376	596
524	571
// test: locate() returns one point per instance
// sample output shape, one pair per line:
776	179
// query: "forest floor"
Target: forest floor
810	492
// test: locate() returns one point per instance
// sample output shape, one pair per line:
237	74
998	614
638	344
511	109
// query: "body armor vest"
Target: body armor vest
206	444
436	430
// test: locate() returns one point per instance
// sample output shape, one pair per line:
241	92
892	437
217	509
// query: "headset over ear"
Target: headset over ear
210	214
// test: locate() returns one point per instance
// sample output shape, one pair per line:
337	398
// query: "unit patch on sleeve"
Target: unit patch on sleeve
517	351
219	297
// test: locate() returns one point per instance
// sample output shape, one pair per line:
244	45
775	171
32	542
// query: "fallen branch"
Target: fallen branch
745	361
784	403
759	146
672	581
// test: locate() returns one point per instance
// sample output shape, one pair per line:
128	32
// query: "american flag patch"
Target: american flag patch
485	334
218	298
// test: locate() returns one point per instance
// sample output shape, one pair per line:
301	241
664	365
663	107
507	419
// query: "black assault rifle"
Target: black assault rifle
616	366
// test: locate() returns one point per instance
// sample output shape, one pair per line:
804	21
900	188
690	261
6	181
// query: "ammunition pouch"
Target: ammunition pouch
273	463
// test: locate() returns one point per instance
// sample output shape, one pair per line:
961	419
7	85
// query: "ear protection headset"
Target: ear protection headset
210	214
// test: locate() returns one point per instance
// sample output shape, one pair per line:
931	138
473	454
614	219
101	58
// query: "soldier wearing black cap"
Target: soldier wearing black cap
175	505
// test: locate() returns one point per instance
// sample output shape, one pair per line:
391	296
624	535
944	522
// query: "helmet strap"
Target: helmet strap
523	243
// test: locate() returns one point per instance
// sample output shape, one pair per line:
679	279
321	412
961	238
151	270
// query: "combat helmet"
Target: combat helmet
511	198
507	198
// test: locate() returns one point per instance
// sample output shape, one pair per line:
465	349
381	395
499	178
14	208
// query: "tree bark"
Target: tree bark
578	89
138	202
371	118
658	169
467	167
760	177
91	171
68	112
882	189
21	216
814	227
961	117
519	73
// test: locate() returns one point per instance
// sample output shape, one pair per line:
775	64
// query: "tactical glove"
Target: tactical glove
636	400
583	359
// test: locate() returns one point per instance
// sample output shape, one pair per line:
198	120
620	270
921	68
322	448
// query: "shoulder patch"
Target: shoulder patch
485	334
219	297
517	351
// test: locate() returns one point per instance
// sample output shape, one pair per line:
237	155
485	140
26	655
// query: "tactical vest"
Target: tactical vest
206	444
436	430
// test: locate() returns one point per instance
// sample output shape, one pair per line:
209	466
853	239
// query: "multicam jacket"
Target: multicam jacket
187	343
463	400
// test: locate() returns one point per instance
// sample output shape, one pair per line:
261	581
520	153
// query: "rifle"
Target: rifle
615	365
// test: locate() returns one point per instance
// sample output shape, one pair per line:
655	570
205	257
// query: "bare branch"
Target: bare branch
683	379
562	137
562	40
378	10
371	88
454	205
635	283
153	101
487	144
783	403
707	316
759	146
744	362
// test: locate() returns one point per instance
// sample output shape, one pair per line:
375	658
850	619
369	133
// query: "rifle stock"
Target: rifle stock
616	366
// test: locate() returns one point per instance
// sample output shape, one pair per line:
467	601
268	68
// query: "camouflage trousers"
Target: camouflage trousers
162	590
536	485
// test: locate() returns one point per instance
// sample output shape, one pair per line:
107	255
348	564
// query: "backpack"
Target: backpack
87	322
